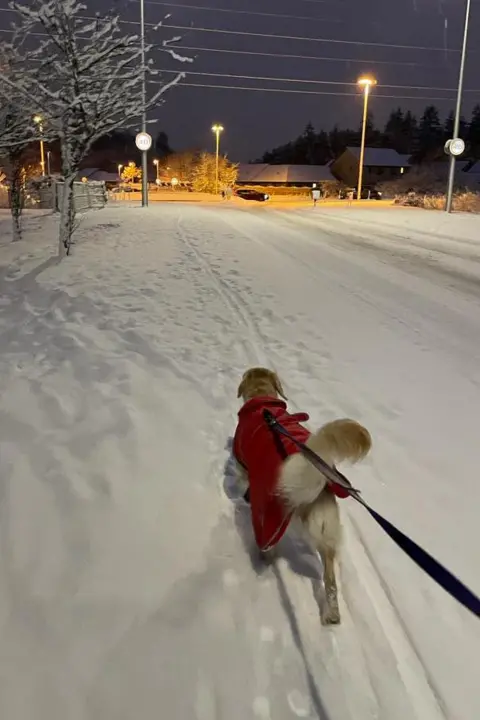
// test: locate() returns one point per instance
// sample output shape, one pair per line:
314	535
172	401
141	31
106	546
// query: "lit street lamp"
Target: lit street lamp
217	129
366	83
451	147
38	121
156	163
120	168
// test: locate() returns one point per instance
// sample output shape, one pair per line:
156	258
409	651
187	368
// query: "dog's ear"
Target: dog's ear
278	385
241	388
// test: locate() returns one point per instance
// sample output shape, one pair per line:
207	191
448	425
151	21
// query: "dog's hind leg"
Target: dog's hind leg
323	525
241	481
331	611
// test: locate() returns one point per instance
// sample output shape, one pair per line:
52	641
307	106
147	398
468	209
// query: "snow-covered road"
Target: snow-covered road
128	586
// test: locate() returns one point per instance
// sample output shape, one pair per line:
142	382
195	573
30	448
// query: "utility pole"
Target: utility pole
144	104
458	113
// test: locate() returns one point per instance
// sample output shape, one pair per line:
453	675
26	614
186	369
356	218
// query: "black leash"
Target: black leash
443	577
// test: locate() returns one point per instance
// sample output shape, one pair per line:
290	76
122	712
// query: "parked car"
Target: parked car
367	193
247	194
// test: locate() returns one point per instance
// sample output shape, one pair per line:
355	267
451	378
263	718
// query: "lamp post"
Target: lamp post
39	121
366	83
120	168
49	172
144	102
217	129
157	165
458	111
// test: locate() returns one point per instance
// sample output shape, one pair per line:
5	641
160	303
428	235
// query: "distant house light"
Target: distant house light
402	170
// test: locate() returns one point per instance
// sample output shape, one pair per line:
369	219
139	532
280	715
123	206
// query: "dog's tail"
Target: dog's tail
300	483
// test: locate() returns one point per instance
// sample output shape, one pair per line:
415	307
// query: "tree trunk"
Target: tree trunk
67	216
17	198
16	228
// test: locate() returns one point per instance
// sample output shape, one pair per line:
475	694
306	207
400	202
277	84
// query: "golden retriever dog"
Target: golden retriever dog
283	484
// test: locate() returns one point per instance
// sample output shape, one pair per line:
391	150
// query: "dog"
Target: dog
283	484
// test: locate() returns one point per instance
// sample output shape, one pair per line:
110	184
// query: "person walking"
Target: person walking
315	196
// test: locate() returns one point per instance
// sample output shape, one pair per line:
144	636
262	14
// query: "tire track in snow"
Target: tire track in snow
252	348
420	689
253	354
411	668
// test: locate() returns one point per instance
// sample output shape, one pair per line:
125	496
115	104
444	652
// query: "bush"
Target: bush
462	201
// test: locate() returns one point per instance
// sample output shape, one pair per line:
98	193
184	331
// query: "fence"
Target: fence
86	196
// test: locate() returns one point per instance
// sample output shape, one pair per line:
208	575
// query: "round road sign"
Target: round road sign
143	141
455	147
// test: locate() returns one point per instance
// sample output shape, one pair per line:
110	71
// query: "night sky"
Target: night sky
258	120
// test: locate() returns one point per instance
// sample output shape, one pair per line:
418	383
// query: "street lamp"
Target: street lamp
156	163
49	172
366	83
217	129
120	168
38	120
458	110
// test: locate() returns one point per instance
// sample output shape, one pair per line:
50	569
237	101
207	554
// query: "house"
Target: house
379	165
97	175
293	175
472	170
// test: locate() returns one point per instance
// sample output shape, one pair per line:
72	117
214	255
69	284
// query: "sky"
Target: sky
338	41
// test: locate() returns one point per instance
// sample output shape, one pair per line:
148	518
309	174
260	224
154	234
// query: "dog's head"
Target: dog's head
260	381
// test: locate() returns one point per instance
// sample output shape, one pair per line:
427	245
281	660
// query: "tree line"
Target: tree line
421	138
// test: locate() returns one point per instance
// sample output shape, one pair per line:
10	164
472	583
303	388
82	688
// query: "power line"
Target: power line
402	63
324	2
202	8
299	80
314	82
359	43
307	92
244	33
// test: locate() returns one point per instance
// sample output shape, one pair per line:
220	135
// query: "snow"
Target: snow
128	583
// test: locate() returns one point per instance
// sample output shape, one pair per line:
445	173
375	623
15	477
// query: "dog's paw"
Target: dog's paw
268	556
330	612
330	616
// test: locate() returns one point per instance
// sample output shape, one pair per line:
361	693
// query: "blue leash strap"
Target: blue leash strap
443	577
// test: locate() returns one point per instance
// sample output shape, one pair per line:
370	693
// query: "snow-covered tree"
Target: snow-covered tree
204	173
131	173
17	130
85	75
179	165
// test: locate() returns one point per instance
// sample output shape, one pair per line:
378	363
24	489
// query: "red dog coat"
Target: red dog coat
256	448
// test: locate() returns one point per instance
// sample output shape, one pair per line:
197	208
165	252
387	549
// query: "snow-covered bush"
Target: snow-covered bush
466	201
204	173
85	78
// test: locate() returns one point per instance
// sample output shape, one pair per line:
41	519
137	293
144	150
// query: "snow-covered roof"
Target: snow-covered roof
381	157
475	169
86	172
264	173
95	174
463	165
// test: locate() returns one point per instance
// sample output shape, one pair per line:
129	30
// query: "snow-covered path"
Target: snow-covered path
128	588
